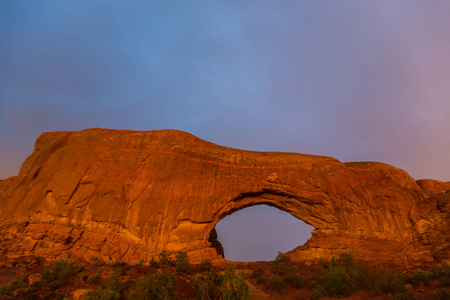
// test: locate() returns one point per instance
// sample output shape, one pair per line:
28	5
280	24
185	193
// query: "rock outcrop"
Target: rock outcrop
128	195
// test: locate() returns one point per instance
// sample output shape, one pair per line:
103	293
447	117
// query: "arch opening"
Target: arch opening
258	233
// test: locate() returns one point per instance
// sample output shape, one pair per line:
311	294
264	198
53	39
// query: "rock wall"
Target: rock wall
128	195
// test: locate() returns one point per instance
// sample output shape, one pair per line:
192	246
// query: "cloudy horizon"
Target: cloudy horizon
354	80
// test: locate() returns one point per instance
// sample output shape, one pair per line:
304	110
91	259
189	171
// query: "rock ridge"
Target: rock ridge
128	195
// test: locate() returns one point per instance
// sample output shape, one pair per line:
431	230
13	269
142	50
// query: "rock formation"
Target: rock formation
128	195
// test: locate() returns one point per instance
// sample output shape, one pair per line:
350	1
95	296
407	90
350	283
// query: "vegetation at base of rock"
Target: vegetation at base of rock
233	285
277	284
441	294
164	257
98	262
18	283
154	263
343	276
208	285
257	273
405	295
114	283
161	285
338	277
283	267
61	271
118	264
183	265
205	265
101	294
93	279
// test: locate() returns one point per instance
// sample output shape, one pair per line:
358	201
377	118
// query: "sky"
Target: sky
352	79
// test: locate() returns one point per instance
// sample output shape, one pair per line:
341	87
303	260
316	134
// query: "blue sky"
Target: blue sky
356	80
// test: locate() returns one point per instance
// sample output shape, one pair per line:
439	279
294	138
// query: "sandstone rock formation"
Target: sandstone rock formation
128	195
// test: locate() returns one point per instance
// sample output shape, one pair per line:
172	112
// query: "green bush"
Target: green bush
208	285
393	283
261	280
94	279
114	283
419	276
277	284
183	266
164	257
101	294
257	273
405	295
155	286
282	265
441	294
233	285
205	265
345	261
98	262
154	263
61	271
442	273
118	264
338	282
366	277
295	280
317	293
140	263
18	283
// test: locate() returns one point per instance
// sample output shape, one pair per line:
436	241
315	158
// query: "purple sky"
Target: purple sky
355	80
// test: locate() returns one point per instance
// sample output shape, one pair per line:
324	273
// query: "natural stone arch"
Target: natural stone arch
281	202
127	195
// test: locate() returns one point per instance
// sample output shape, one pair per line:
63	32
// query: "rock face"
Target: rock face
128	195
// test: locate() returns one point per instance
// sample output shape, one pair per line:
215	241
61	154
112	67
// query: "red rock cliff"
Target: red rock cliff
128	195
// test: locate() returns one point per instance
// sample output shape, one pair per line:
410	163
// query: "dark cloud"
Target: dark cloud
355	80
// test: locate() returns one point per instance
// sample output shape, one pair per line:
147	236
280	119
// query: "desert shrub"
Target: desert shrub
61	271
18	283
344	276
366	277
118	264
392	283
183	266
261	280
114	282
277	284
98	262
257	273
282	265
94	279
164	257
155	286
205	265
441	294
405	295
419	276
100	294
295	280
233	285
154	263
338	282
442	273
316	294
208	285
345	261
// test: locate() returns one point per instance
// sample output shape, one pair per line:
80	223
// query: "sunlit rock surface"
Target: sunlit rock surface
128	195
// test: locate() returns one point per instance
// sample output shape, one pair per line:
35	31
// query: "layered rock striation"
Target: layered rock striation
128	195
